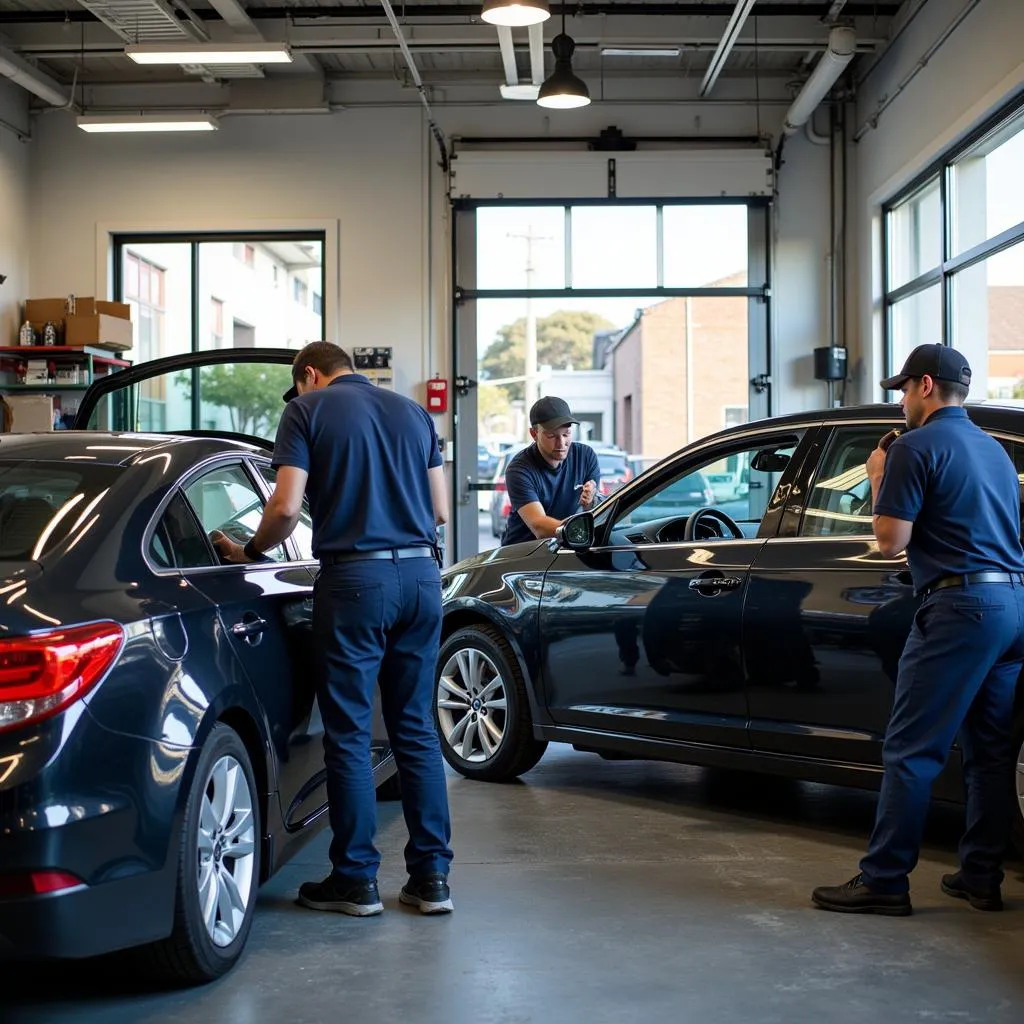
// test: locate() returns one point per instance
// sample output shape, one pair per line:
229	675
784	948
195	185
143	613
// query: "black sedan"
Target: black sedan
160	743
763	633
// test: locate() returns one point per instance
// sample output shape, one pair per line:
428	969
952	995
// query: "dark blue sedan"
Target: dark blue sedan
160	743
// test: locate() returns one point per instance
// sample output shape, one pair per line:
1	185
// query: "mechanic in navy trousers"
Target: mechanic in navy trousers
948	494
370	463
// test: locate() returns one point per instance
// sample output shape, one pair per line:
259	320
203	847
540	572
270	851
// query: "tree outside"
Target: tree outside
250	392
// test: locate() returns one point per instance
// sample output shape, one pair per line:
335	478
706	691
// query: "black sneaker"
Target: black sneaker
856	898
980	899
359	899
430	894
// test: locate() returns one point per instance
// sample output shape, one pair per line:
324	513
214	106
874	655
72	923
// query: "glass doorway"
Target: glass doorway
649	319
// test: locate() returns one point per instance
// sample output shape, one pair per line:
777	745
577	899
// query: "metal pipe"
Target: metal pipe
813	135
842	47
35	81
725	45
537	54
508	54
887	101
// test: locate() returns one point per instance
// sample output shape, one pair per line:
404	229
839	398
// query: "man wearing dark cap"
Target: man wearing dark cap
370	463
948	494
552	478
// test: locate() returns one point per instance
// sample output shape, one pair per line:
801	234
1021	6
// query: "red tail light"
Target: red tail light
500	485
36	884
41	675
506	508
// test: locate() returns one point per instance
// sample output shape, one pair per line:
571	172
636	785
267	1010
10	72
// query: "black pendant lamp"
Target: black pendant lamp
563	90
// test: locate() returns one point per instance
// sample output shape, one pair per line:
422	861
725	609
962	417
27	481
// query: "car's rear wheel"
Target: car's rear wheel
219	865
1018	809
482	709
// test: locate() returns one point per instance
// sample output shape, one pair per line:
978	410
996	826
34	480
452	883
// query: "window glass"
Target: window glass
738	484
520	247
705	246
614	247
225	499
303	535
916	320
839	503
177	542
915	235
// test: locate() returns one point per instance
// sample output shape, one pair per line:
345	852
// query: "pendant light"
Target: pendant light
563	90
515	13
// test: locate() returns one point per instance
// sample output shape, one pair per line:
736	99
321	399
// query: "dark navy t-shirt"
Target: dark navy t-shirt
529	478
367	451
958	487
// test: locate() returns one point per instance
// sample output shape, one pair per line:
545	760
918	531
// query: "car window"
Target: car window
225	499
839	501
730	483
611	463
1015	449
177	541
303	534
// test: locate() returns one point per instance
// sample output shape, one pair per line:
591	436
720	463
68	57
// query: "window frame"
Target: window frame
944	274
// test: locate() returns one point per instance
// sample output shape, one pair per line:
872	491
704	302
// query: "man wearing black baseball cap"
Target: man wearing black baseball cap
948	494
552	478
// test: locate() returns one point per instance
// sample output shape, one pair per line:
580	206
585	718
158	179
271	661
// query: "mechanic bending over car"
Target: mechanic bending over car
948	494
551	479
370	462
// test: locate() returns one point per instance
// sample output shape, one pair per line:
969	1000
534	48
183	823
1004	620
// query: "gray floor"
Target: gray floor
603	892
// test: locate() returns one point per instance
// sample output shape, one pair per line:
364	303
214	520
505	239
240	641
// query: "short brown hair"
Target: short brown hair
324	356
952	391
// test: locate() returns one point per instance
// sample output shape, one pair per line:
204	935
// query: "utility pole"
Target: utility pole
530	369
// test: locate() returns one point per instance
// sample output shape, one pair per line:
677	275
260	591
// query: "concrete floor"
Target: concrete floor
602	892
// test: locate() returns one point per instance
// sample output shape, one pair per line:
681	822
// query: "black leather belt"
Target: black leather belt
974	577
337	557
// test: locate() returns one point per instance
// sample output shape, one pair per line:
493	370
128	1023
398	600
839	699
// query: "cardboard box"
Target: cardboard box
29	413
101	330
38	311
41	310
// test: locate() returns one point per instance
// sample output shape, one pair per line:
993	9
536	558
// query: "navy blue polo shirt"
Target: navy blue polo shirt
529	477
366	451
959	488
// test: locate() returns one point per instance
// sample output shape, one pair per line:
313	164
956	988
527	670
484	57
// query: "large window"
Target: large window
954	250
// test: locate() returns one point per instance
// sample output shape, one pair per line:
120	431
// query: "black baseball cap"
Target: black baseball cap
940	362
292	392
551	413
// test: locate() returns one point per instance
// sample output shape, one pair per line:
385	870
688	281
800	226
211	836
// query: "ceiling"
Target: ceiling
81	42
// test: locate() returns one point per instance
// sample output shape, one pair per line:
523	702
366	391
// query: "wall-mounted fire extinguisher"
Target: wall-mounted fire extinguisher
437	395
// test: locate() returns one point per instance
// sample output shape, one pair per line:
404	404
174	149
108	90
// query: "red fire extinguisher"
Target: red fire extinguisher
437	395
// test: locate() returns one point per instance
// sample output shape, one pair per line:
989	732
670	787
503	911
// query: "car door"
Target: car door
641	634
827	614
265	612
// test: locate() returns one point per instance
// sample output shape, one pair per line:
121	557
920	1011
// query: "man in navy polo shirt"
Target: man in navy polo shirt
552	478
948	494
370	463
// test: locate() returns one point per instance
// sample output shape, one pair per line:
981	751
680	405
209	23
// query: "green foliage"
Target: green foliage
251	392
564	339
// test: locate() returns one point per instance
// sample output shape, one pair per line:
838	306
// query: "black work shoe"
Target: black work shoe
856	898
359	899
980	899
430	894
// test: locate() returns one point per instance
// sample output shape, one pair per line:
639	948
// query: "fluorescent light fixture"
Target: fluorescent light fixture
150	123
523	91
641	51
211	53
515	13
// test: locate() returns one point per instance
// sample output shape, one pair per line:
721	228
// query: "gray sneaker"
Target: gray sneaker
431	895
357	899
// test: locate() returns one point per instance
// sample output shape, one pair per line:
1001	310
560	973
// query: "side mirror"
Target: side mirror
768	461
577	532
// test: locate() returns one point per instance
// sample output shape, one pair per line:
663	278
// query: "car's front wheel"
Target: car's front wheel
482	709
219	865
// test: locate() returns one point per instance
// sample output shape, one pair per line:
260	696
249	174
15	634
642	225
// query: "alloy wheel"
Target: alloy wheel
472	705
226	851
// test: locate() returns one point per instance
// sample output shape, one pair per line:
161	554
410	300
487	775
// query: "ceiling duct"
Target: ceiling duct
143	21
20	72
842	48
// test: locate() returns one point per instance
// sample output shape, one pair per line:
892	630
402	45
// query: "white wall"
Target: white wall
976	68
14	207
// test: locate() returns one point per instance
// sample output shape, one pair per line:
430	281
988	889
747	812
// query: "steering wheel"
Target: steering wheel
690	529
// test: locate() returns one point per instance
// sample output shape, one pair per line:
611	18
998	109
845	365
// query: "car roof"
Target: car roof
115	449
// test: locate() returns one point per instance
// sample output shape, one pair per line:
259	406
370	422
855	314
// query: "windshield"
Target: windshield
42	504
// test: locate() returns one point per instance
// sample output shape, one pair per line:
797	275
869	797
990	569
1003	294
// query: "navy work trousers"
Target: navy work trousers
958	673
380	620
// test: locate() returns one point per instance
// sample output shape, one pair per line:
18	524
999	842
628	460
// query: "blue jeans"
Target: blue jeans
380	620
958	673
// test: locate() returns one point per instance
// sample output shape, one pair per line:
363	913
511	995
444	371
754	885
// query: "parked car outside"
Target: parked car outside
161	749
486	462
763	632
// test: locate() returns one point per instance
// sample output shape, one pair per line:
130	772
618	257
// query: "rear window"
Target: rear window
42	504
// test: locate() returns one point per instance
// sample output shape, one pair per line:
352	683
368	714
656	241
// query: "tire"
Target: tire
390	789
197	952
1017	830
506	748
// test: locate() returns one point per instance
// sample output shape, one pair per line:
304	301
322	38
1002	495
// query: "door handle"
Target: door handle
249	627
702	583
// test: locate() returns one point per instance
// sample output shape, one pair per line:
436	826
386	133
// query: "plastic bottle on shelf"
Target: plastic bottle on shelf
27	335
50	333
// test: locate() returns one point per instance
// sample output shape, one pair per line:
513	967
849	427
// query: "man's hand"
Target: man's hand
588	494
228	550
876	465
